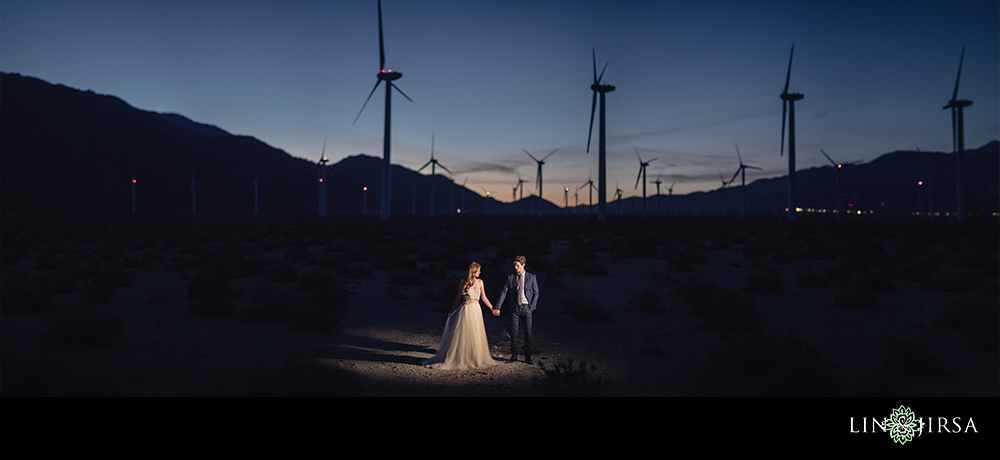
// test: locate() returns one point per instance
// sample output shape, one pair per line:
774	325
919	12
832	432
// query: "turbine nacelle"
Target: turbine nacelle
388	75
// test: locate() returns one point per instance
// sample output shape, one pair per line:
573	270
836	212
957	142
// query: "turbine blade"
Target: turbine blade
442	167
366	102
788	77
738	154
828	158
637	153
381	46
752	167
550	154
530	155
401	92
424	166
734	175
959	77
601	77
654	159
593	106
638	177
593	55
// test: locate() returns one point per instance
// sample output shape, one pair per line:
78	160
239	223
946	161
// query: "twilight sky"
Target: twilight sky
490	78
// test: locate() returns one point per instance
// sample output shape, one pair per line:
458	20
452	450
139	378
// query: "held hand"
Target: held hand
496	312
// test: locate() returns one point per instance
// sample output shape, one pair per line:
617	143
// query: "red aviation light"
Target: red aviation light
133	181
920	182
366	189
321	179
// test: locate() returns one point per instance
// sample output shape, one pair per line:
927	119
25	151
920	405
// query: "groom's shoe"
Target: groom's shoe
527	360
513	359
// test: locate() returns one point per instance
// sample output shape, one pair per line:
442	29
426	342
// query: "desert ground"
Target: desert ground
631	307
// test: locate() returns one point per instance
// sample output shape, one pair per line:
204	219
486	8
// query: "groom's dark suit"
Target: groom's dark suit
522	309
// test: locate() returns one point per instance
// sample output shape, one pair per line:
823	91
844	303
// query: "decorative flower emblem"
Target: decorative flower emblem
902	425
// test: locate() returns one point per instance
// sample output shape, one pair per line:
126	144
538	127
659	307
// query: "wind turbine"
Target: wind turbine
958	140
597	87
590	182
322	172
742	171
566	197
658	198
433	163
642	176
386	75
538	181
788	107
618	197
837	168
671	196
725	198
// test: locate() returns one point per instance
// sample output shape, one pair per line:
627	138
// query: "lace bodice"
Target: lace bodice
474	293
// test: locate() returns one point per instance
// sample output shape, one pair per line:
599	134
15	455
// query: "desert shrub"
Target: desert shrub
764	282
978	318
19	293
359	271
213	305
281	271
585	309
647	302
954	282
209	283
765	363
81	328
912	357
878	281
566	380
694	287
858	300
726	311
811	279
403	277
686	260
592	269
253	266
321	287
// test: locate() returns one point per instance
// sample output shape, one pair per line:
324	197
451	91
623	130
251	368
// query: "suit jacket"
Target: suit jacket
530	290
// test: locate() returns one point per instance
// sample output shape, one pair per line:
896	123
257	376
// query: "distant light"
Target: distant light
920	182
458	211
321	179
883	204
366	189
859	212
133	181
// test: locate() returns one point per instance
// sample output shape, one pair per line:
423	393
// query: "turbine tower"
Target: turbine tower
788	108
642	176
658	198
742	171
597	87
837	168
433	164
386	75
958	140
322	172
591	187
538	181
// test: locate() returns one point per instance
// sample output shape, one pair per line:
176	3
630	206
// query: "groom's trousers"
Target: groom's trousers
520	320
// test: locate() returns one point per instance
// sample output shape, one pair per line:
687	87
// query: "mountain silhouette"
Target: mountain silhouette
67	151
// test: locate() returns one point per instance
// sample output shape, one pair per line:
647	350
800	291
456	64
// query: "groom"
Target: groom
525	288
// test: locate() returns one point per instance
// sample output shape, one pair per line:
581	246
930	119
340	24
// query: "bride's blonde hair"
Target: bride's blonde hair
470	278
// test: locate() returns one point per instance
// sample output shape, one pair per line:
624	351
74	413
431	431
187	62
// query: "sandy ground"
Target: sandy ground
387	330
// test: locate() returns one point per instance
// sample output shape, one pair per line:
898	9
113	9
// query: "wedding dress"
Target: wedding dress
463	343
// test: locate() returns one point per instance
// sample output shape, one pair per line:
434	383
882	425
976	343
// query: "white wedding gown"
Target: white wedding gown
463	343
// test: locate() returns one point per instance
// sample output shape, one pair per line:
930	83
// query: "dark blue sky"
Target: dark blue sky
489	79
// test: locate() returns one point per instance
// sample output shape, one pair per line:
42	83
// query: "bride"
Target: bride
463	343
